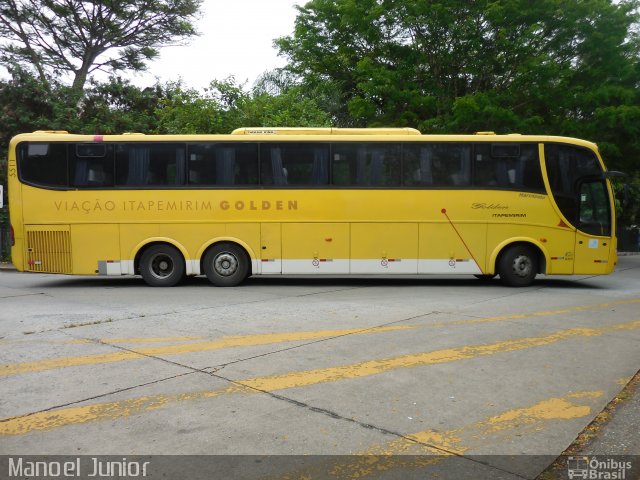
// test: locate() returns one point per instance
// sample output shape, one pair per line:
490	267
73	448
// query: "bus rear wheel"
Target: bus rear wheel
162	266
226	265
518	266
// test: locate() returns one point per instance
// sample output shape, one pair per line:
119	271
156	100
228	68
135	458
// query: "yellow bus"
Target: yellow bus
320	201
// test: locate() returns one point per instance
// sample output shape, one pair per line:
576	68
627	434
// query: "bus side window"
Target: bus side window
451	165
152	164
43	164
418	165
512	166
298	164
246	164
272	169
223	164
91	165
367	164
531	172
488	171
201	164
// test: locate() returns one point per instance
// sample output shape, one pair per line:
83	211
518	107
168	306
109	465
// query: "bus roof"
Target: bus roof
294	134
323	131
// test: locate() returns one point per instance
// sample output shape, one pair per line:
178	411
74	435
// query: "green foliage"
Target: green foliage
117	106
627	196
78	37
188	111
548	66
26	103
226	106
290	108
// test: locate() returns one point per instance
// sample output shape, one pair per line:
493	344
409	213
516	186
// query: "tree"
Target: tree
79	37
186	110
549	66
117	106
226	105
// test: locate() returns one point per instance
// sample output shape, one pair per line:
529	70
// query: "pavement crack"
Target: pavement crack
96	397
322	340
369	426
130	350
136	316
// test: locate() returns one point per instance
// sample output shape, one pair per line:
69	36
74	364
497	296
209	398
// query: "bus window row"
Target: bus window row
280	165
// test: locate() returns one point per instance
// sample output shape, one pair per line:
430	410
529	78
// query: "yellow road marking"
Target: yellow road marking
552	409
546	313
89	413
84	414
432	441
252	340
429	447
374	367
225	342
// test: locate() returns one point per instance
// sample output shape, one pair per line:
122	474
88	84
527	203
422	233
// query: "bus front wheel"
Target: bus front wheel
162	266
518	266
226	265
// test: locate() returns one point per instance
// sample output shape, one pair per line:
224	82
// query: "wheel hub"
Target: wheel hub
522	266
225	264
161	266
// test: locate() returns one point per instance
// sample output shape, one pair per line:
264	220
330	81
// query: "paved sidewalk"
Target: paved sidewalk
614	432
620	435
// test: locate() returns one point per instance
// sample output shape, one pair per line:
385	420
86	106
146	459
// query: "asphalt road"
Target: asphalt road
462	377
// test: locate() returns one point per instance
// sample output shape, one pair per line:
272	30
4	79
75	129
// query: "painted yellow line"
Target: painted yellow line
429	447
84	414
225	342
362	466
100	411
545	313
374	367
252	340
562	408
427	441
520	420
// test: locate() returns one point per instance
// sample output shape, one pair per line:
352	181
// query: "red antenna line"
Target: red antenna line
444	212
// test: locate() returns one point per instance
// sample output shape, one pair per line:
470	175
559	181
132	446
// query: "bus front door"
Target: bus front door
593	237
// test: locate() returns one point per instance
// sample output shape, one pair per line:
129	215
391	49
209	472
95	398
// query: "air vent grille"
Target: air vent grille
48	249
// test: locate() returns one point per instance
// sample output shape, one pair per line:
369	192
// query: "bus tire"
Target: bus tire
162	266
226	264
518	266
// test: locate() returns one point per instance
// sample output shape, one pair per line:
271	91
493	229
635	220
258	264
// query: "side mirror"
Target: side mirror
614	174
